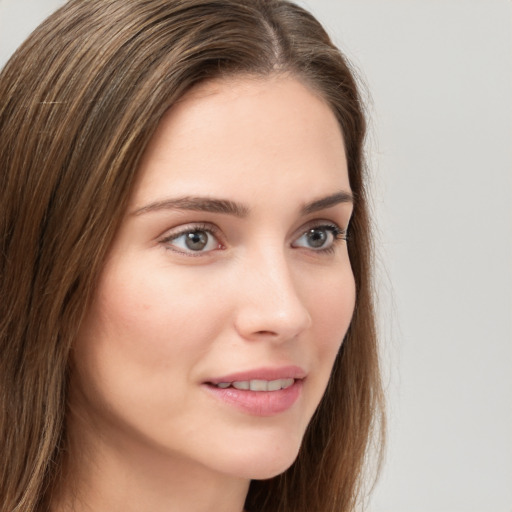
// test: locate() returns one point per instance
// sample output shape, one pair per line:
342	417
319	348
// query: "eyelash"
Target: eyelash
338	234
206	228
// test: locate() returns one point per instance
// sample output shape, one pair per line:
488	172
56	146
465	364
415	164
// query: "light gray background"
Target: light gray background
440	77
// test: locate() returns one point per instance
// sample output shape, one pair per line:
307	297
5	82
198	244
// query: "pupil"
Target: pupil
196	240
317	238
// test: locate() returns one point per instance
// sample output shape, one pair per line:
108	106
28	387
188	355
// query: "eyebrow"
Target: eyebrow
327	202
227	207
200	204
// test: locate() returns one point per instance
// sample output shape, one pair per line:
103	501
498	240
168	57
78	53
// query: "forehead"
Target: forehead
244	132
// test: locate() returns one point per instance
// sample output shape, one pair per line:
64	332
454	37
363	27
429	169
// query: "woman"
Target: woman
186	317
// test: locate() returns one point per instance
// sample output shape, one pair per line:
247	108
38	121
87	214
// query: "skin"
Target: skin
145	433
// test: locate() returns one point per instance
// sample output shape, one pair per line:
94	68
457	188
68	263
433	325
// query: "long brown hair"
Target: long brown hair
79	101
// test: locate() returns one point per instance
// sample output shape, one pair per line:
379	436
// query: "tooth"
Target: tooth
275	385
242	384
258	385
286	383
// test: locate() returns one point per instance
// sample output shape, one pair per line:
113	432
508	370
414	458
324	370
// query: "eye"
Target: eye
195	240
320	238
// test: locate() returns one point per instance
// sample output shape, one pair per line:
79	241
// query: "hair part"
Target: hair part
79	102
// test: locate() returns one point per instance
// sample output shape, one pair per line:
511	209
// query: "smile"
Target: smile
259	392
258	384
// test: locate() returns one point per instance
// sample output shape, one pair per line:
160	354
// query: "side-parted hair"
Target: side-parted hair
79	102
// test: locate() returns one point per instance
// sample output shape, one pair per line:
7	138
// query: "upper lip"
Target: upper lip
269	373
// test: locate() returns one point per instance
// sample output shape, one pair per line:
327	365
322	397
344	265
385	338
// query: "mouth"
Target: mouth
260	392
258	385
261	379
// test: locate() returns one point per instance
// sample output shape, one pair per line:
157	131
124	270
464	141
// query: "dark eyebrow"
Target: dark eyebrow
200	204
227	207
327	202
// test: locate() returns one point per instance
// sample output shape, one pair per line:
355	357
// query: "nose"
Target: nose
269	306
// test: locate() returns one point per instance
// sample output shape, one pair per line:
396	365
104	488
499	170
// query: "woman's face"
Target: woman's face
230	271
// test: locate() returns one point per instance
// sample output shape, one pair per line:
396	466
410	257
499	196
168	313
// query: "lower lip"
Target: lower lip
259	403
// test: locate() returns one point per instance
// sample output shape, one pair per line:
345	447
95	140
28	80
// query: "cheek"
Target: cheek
142	335
331	309
332	306
154	314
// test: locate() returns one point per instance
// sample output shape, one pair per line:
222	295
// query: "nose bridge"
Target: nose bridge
271	305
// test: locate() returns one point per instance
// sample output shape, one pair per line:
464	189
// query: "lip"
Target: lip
259	403
267	373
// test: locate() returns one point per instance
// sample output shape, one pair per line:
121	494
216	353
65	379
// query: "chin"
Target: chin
271	470
264	462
